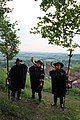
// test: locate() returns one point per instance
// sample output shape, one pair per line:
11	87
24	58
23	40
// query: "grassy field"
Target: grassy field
29	109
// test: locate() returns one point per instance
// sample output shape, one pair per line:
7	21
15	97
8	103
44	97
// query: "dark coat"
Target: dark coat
58	79
32	76
24	69
36	73
17	76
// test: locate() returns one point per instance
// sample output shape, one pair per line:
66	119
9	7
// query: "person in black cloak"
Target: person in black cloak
17	79
37	78
58	79
24	69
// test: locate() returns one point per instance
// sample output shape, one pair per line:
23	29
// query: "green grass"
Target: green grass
3	77
29	109
14	110
47	85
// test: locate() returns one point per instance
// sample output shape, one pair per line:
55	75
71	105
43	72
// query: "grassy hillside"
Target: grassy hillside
29	109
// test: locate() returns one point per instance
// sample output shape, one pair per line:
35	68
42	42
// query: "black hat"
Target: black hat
59	63
39	61
18	60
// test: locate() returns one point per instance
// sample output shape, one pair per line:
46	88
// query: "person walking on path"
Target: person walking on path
58	79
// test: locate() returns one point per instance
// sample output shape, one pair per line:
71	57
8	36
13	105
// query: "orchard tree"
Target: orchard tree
60	24
8	40
8	34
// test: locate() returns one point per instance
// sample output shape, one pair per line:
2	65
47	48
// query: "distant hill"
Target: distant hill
46	57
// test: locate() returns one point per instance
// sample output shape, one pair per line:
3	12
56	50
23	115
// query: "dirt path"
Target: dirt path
47	94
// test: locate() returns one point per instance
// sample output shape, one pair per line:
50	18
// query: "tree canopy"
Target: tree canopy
8	38
9	41
60	23
3	8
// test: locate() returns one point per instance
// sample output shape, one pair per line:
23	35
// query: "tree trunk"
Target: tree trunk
7	65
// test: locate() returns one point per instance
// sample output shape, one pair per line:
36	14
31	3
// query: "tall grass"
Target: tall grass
3	76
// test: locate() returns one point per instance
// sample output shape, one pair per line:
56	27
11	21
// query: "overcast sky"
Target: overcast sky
26	13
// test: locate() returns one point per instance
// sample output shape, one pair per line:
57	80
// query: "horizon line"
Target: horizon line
46	52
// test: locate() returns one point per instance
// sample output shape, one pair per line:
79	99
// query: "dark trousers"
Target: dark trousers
13	92
33	93
39	94
55	99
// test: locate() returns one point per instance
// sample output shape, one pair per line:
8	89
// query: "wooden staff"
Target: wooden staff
69	82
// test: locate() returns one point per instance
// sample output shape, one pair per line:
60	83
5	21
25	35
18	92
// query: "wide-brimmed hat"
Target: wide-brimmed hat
59	63
18	60
39	61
